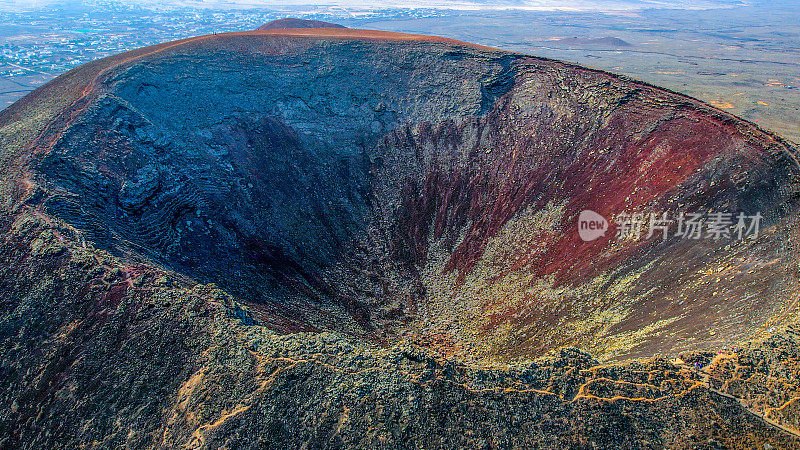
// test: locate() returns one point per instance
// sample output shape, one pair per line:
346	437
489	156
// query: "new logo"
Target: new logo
591	225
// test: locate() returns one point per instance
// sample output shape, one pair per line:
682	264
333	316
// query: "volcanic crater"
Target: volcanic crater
392	186
337	238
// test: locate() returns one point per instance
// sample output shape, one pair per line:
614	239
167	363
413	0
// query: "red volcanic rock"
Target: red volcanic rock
290	22
343	238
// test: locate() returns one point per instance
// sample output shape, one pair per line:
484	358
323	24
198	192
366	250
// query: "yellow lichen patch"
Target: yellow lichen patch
67	330
762	103
466	310
722	104
610	345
